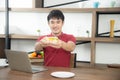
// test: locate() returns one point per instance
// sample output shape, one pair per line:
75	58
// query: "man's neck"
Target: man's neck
57	34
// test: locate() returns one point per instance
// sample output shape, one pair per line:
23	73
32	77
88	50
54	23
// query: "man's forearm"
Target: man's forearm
38	46
70	46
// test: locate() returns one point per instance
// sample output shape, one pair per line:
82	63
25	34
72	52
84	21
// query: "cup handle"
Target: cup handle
6	60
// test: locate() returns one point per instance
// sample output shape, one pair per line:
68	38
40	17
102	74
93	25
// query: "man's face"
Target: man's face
55	25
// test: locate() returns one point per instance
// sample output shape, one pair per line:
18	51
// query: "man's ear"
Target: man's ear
48	22
63	22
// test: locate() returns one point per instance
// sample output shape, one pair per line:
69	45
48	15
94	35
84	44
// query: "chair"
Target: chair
73	60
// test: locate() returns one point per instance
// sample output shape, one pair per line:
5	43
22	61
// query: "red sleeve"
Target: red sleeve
72	38
40	38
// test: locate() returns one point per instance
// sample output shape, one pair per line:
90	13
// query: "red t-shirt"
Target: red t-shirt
57	57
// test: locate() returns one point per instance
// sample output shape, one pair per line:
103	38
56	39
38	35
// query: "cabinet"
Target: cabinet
2	46
37	3
93	39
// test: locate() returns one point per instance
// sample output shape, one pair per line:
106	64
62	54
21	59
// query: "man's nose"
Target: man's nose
55	24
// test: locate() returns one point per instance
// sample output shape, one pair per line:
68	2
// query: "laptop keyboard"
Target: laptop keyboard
38	68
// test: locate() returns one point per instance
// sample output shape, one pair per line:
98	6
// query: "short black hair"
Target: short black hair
55	14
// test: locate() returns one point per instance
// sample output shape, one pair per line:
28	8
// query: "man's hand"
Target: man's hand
51	41
68	46
41	44
57	44
44	42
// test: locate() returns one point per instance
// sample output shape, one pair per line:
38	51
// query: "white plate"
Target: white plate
63	74
3	65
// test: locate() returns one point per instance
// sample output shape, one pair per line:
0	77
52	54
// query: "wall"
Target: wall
85	4
17	3
76	24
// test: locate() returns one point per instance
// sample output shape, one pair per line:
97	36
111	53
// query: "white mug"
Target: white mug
3	61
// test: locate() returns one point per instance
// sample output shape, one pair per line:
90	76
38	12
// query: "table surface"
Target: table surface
80	74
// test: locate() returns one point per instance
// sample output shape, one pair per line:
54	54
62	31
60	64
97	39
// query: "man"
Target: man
56	51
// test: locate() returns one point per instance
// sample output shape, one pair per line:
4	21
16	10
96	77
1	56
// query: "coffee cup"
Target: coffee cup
96	4
3	61
112	4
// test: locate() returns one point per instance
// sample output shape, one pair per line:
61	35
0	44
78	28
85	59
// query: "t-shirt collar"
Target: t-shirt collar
59	35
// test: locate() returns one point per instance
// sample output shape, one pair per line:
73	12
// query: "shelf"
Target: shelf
114	9
33	37
2	35
72	10
115	40
44	10
20	36
67	10
23	37
83	39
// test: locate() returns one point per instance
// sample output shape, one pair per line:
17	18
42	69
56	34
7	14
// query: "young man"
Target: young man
57	46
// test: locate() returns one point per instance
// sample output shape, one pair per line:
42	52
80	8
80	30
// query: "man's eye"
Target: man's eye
58	22
52	22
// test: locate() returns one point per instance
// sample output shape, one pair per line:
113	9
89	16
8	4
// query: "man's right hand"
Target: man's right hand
44	42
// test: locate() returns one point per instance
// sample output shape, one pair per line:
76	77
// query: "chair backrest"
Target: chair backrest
73	60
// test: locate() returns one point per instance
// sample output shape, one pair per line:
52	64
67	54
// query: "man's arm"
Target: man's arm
38	46
69	46
41	44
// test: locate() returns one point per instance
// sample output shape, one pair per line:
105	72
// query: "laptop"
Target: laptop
19	61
